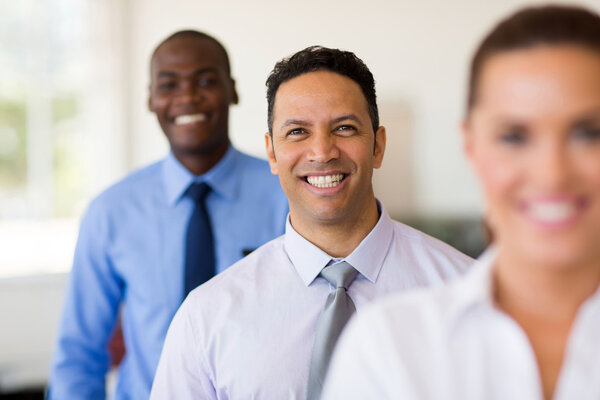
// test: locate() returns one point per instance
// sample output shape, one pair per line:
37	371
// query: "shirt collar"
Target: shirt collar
221	178
476	289
367	257
593	304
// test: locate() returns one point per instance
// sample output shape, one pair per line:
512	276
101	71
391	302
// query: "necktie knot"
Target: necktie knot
197	191
339	275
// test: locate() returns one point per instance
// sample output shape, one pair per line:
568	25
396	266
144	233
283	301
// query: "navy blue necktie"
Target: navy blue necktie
199	245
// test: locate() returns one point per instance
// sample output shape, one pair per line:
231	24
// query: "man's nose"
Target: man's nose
323	147
189	91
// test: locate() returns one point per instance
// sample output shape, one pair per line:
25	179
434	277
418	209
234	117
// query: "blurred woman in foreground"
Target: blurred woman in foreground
525	323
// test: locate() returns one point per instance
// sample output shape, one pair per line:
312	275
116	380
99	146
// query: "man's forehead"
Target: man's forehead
319	91
321	83
188	51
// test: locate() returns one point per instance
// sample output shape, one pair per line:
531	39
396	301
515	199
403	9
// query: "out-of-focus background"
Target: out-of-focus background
73	119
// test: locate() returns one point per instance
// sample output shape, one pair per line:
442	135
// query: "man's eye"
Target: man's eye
345	129
207	82
167	86
296	131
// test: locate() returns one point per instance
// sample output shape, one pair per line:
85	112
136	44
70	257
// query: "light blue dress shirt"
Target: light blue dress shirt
248	333
131	251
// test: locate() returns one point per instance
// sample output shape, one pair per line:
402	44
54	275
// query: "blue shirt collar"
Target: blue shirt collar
221	178
367	257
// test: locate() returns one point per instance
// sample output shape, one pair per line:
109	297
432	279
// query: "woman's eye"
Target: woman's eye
513	137
587	133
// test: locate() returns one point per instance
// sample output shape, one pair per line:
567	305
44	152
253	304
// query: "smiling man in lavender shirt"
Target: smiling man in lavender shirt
257	330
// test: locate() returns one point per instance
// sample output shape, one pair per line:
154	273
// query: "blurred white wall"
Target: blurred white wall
418	52
30	308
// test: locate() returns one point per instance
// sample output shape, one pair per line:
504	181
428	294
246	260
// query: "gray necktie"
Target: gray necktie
338	309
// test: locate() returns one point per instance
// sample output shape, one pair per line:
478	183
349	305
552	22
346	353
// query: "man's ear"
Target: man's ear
271	153
235	99
150	107
380	139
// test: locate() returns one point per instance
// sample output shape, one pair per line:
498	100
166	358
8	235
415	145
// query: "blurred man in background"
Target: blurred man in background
149	239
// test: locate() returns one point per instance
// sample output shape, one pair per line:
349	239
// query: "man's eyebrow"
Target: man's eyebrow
346	117
293	121
350	117
166	74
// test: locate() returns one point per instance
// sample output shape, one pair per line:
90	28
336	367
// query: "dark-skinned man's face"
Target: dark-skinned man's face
190	93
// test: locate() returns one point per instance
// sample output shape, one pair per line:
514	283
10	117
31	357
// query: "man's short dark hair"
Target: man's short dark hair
199	35
317	58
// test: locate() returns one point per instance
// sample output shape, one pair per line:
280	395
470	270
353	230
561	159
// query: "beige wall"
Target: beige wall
417	50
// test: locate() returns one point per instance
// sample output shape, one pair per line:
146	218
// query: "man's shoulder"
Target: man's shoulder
421	308
134	185
254	168
237	295
422	301
251	163
433	313
257	183
245	273
414	237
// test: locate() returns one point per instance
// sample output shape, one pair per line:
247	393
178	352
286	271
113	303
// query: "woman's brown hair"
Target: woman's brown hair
536	26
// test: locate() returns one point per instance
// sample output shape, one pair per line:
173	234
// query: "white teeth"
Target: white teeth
552	212
325	181
189	119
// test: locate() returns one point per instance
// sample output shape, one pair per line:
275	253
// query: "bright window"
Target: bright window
61	119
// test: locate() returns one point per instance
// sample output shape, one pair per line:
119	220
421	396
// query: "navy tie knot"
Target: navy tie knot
198	191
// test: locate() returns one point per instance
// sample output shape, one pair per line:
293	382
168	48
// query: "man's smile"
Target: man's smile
189	119
325	181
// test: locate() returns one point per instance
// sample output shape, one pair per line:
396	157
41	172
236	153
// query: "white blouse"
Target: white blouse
451	342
